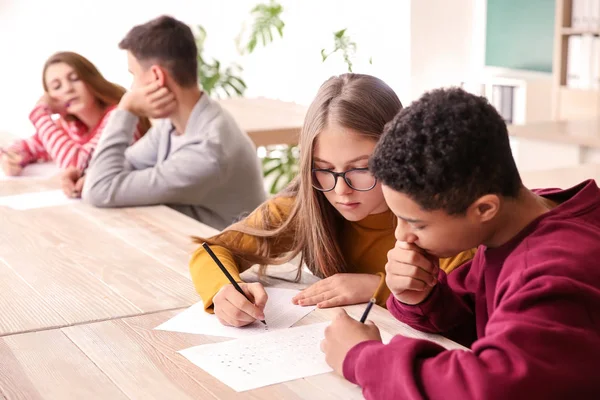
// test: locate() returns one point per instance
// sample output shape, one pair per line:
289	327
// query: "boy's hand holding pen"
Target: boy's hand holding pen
73	179
72	182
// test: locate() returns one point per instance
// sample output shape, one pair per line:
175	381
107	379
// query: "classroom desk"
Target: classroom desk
561	177
556	144
579	132
72	264
125	359
79	301
267	121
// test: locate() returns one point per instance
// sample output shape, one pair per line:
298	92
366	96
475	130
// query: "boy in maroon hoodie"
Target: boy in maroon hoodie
528	304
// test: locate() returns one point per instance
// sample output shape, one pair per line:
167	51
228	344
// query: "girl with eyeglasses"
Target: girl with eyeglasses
333	214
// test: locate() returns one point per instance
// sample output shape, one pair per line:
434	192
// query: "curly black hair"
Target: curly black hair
446	150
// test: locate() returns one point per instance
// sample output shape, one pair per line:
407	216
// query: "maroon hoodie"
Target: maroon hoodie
529	310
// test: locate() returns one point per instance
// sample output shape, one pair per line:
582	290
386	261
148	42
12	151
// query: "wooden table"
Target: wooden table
556	144
579	132
73	264
126	359
561	177
81	290
267	121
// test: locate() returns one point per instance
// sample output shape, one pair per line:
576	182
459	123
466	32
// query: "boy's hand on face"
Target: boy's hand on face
152	100
342	335
411	274
339	290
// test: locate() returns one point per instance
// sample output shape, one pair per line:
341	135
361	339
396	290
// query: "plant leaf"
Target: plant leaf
271	170
275	184
267	18
251	44
344	44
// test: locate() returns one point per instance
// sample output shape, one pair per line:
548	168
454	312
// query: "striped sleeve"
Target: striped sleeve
57	140
31	149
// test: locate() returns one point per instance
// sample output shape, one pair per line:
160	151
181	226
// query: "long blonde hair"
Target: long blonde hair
359	102
105	92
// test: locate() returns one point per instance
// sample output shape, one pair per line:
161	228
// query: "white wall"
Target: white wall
444	45
413	49
32	30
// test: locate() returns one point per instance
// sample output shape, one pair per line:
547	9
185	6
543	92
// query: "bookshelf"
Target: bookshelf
576	63
579	31
529	93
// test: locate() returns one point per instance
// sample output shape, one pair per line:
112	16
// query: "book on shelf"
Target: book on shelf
503	98
500	95
519	96
583	62
585	15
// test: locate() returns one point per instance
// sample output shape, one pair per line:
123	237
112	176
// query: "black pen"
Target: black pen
227	274
367	310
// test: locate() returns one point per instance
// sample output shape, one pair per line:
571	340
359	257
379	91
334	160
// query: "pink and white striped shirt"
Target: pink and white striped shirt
68	143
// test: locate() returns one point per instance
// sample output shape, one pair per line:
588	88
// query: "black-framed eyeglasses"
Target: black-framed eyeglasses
359	179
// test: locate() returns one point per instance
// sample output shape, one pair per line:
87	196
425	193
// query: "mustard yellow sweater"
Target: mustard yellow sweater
365	244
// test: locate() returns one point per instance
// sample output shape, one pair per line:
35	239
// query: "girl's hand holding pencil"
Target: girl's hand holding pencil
238	304
233	309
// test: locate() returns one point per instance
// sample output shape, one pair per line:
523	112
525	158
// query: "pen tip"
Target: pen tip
263	321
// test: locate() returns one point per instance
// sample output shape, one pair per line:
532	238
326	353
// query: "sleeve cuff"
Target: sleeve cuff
207	277
414	314
38	112
350	365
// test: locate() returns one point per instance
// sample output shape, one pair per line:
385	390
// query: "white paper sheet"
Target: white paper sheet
38	170
280	313
266	359
29	201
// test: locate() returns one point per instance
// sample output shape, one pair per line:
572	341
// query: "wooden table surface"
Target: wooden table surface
267	121
577	132
72	264
126	359
561	177
81	290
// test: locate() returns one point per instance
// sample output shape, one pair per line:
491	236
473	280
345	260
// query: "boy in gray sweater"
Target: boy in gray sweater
195	160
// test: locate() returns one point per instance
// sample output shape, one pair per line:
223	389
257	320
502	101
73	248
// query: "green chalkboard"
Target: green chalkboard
520	34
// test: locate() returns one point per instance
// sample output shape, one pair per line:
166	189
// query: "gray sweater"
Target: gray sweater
210	173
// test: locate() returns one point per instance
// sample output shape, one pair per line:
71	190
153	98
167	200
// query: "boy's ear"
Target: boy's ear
159	74
486	207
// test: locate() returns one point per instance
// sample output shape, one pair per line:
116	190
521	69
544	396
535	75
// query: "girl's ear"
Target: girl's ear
159	74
